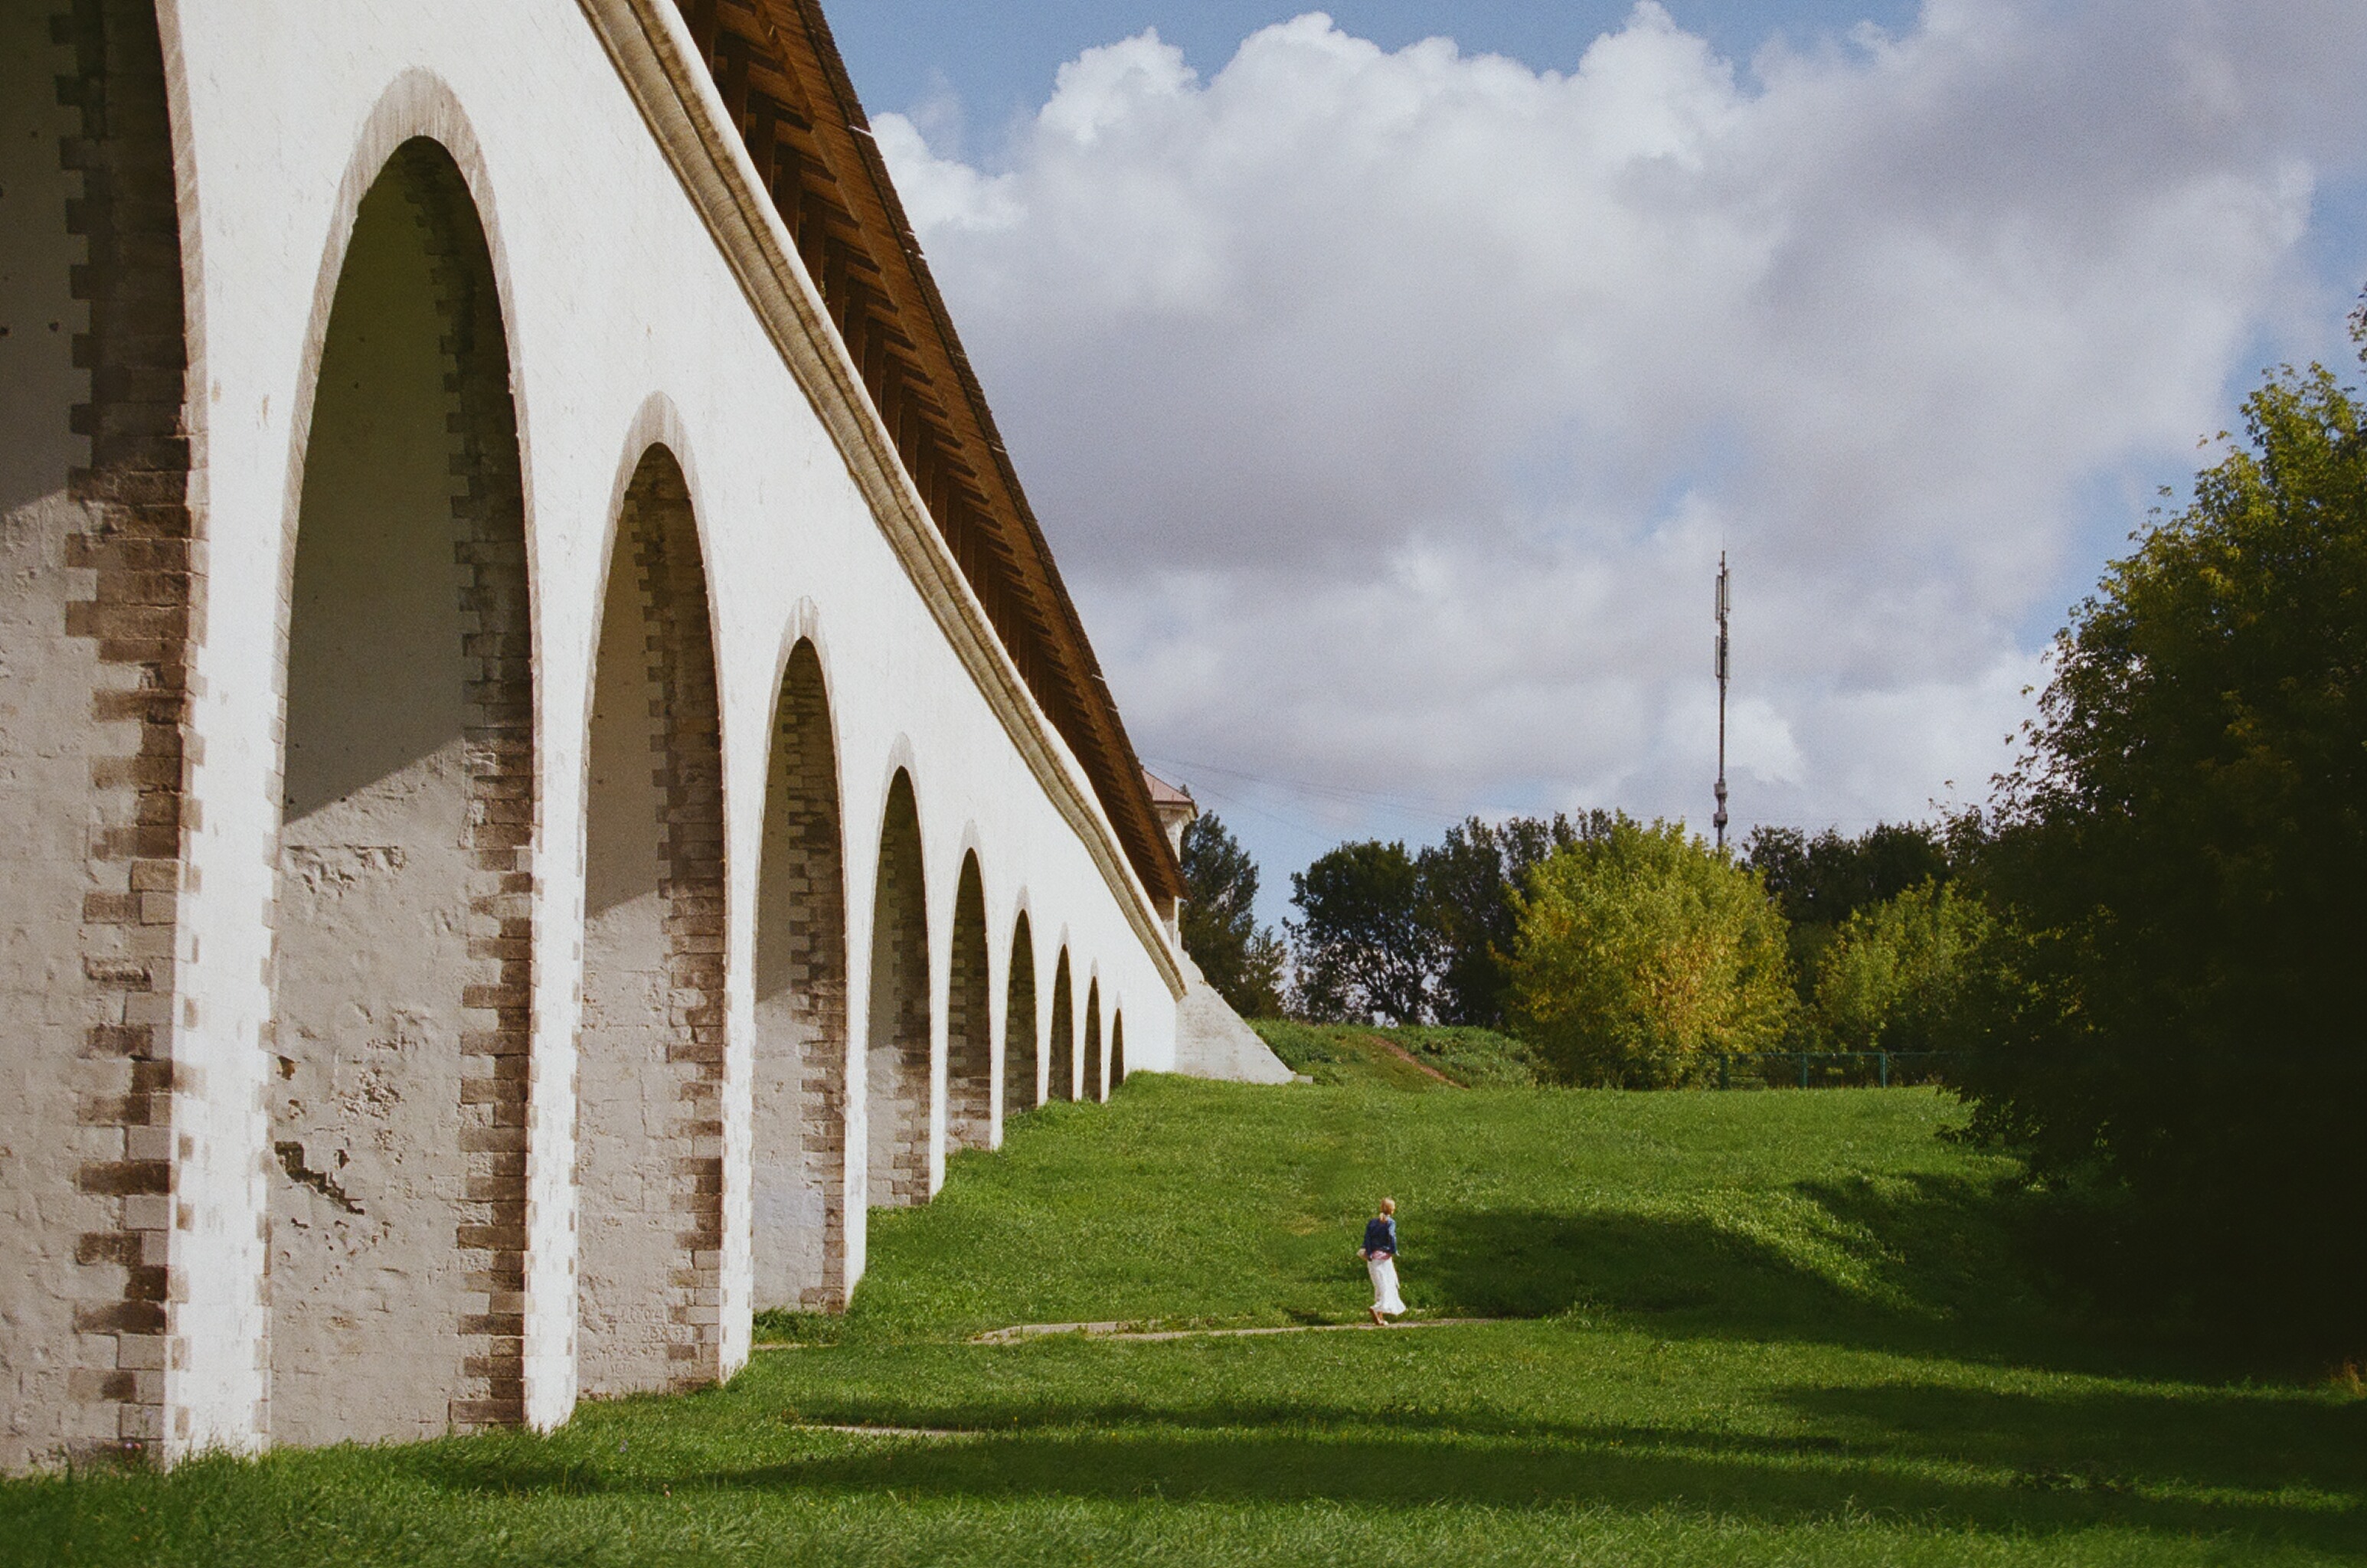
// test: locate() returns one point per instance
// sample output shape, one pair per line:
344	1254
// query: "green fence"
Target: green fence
1831	1069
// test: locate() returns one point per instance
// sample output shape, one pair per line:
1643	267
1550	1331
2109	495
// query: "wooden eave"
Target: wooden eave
786	89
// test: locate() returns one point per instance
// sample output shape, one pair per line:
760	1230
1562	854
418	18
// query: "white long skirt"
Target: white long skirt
1383	1271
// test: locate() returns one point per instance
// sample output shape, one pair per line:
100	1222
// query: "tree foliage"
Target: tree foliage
1826	879
1241	961
1643	954
1470	882
2183	854
1821	881
1363	945
1895	975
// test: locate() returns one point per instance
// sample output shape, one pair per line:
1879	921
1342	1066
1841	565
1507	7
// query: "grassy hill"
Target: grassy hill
1401	1057
1766	1328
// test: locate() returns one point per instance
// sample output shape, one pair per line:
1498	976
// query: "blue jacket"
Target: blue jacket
1381	1236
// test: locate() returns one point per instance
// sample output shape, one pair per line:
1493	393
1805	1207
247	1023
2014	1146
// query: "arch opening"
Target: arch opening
799	1169
650	1060
1022	1066
898	1069
402	984
1063	1047
1117	1050
969	1028
1096	1070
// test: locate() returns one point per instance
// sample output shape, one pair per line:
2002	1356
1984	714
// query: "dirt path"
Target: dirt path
1127	1331
884	1431
1401	1054
1020	1333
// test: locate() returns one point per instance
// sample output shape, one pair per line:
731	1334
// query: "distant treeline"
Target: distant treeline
1629	952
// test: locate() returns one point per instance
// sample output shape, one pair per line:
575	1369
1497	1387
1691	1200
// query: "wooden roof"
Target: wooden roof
788	90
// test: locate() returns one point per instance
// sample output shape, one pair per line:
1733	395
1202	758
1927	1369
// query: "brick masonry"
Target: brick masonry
201	217
146	571
1062	1050
671	1194
899	1058
1094	1074
1020	1073
969	1039
800	1094
497	645
399	1107
691	777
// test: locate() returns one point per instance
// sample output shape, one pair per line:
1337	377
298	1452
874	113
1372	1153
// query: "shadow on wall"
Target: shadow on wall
649	1085
400	1030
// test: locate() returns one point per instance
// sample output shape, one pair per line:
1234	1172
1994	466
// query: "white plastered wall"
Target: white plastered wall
618	298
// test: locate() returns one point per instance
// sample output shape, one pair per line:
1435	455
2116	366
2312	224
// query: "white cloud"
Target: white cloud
1389	410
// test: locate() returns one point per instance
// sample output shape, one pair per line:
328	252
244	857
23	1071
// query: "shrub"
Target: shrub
1893	976
1642	955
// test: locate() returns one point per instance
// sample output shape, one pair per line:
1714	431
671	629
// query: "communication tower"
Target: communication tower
1719	820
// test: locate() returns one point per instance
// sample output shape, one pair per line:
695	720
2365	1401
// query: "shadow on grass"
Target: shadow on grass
2101	1440
2026	1464
2235	1439
1936	1269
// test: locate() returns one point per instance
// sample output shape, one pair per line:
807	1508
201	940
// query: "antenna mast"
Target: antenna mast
1719	820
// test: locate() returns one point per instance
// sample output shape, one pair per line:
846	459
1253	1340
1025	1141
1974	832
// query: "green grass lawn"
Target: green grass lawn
1746	1328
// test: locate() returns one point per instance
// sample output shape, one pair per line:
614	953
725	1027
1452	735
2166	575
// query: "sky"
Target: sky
1390	380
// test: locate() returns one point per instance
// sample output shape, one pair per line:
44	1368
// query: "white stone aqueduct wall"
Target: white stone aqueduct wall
513	836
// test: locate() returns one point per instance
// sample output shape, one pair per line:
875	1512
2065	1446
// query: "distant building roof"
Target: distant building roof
1164	794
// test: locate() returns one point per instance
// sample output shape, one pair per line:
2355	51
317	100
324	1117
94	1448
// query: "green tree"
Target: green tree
1823	880
1363	943
2185	845
1643	954
1241	960
1826	879
1894	974
1471	881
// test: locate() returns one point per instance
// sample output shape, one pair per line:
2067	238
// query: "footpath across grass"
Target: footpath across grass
1766	1328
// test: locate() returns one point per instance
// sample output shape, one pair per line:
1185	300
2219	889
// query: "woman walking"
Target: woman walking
1380	1255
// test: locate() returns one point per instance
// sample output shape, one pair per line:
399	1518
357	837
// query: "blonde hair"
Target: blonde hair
1388	1205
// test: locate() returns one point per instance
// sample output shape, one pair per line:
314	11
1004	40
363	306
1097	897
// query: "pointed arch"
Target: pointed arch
1117	1049
969	1027
650	1057
1022	1074
398	1107
896	1074
800	1187
1063	1046
1097	1069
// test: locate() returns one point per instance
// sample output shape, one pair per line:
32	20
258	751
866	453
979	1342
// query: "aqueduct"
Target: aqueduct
547	767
